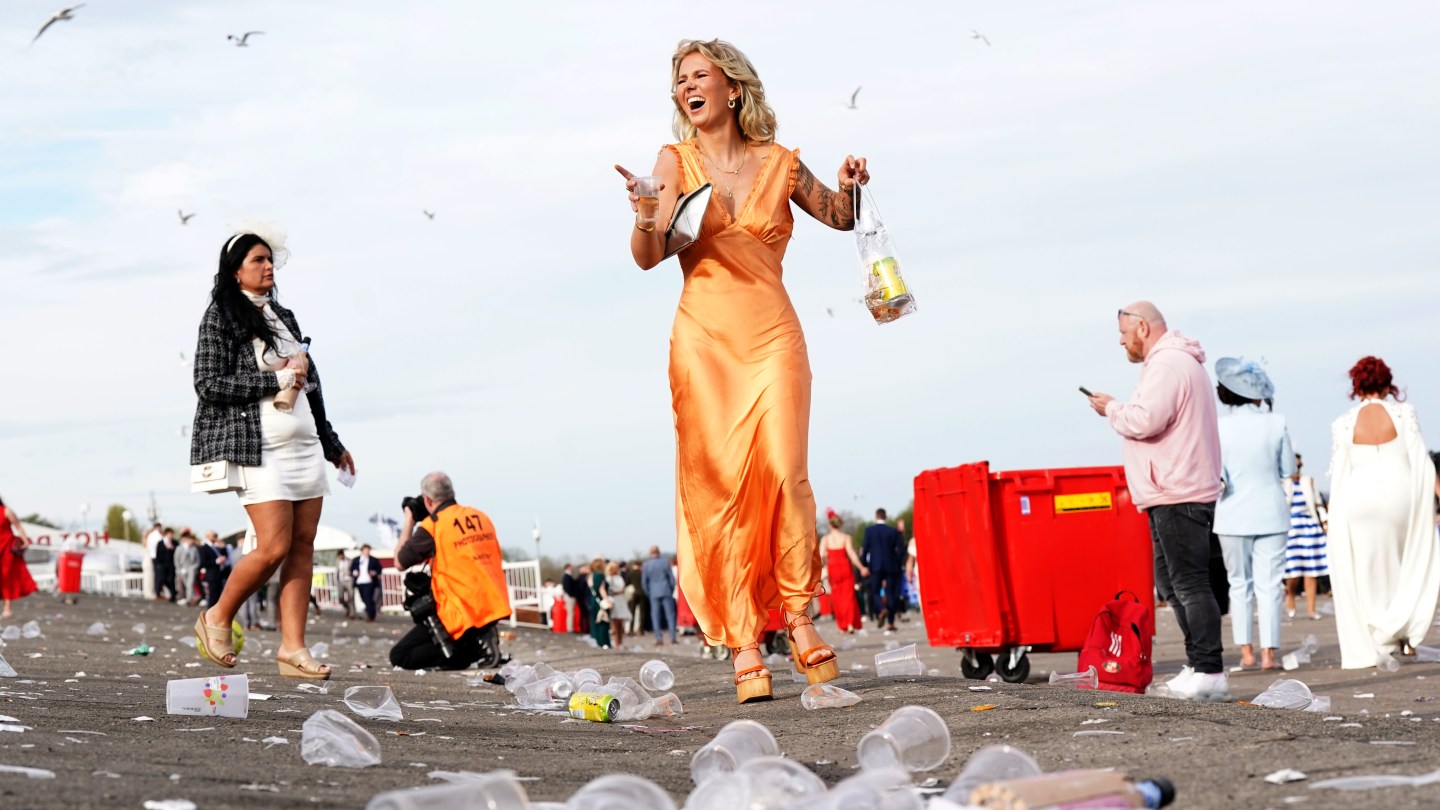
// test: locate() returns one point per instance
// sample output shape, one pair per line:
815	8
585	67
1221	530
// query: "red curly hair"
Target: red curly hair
1371	377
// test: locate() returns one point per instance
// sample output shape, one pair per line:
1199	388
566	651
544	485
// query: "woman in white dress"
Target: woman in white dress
248	354
1252	516
1384	564
620	608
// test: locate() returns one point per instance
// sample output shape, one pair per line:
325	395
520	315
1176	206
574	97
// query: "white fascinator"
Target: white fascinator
273	234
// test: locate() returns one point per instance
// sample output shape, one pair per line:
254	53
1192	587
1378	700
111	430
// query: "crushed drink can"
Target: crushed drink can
594	706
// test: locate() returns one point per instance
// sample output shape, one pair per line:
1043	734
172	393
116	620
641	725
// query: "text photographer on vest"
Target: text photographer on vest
459	546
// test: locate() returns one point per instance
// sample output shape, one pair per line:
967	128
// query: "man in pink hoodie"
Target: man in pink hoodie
1172	466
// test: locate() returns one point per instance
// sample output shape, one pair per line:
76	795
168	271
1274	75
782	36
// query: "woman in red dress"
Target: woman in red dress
839	556
15	581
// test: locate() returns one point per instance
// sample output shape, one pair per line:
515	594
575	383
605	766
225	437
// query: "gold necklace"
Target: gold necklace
729	186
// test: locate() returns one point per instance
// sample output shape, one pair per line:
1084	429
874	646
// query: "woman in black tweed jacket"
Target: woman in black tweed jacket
248	352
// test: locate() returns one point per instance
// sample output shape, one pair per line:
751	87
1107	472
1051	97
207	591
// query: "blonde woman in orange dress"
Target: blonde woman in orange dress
739	371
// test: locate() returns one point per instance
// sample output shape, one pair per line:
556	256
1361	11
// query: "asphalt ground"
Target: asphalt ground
81	696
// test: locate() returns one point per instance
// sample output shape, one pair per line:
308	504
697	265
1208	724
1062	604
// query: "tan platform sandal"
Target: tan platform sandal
213	643
754	687
301	664
827	668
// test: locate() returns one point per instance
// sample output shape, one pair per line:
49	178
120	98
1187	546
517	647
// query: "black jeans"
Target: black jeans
1181	536
890	581
370	595
416	650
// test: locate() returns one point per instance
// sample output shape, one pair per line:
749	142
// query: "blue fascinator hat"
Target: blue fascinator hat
1244	377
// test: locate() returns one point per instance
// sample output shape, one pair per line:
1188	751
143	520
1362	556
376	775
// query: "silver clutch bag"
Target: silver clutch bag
685	224
216	476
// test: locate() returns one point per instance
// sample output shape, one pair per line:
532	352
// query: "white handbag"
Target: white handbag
215	477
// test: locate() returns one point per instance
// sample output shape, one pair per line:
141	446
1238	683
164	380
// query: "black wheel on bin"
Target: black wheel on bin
778	644
981	669
1016	675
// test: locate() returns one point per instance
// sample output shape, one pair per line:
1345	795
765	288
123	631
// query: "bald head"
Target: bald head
1147	312
1141	327
437	487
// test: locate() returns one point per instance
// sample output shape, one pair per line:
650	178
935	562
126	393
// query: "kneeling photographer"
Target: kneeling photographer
457	605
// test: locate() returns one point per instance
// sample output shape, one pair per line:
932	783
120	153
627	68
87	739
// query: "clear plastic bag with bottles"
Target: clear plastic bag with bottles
885	293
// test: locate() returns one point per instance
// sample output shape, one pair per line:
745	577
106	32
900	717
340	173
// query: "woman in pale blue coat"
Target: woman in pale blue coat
1252	517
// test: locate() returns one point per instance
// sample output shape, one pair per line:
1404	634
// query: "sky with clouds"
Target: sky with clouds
1265	172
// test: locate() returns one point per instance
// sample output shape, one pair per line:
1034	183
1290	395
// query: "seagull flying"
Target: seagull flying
62	14
851	105
242	40
430	214
831	311
977	35
184	217
183	431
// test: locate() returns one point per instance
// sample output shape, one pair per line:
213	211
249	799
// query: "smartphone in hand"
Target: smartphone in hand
1086	391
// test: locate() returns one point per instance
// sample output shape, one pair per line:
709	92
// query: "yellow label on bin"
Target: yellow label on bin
1084	502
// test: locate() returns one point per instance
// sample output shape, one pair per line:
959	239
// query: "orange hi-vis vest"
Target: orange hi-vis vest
467	578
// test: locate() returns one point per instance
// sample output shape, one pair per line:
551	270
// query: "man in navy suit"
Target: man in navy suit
883	552
365	573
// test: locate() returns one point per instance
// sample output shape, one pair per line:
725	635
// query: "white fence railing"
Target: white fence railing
521	578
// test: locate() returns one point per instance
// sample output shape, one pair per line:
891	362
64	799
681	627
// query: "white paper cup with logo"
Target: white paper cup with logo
215	696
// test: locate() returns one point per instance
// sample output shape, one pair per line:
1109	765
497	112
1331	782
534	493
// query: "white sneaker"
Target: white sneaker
1203	686
1179	680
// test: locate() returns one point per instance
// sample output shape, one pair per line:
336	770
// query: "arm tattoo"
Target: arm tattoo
834	208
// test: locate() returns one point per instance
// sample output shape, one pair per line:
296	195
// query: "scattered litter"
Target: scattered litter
207	728
1095	733
826	696
11	633
188	641
1089	679
1105	704
320	688
1365	695
406	733
983	708
96	629
15	728
1332	719
31	629
256	786
1293	660
271	742
331	738
106	774
258	696
1391	742
5	718
170	804
374	702
1284	776
77	731
1287	693
1181	739
899	662
1349	725
981	689
33	773
144	719
1373	781
1094	721
143	649
217	695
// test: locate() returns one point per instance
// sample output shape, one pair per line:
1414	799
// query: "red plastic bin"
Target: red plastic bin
67	573
1014	562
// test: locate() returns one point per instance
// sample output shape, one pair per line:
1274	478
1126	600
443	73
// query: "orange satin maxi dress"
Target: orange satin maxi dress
740	389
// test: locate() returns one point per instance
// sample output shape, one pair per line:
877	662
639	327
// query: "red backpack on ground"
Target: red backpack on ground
1119	645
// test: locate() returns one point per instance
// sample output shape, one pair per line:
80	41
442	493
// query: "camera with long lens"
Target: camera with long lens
420	603
415	505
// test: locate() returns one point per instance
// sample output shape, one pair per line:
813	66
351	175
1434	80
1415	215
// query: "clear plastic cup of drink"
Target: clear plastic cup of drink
913	738
647	188
735	744
496	789
655	675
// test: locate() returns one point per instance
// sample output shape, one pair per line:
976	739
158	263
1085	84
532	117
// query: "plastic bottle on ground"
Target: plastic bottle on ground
827	696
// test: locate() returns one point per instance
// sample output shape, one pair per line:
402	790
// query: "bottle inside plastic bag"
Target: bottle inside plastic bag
886	294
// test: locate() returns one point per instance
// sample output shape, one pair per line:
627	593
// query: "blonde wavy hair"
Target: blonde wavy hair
752	113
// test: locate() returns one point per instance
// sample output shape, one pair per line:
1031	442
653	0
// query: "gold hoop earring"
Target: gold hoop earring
732	104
